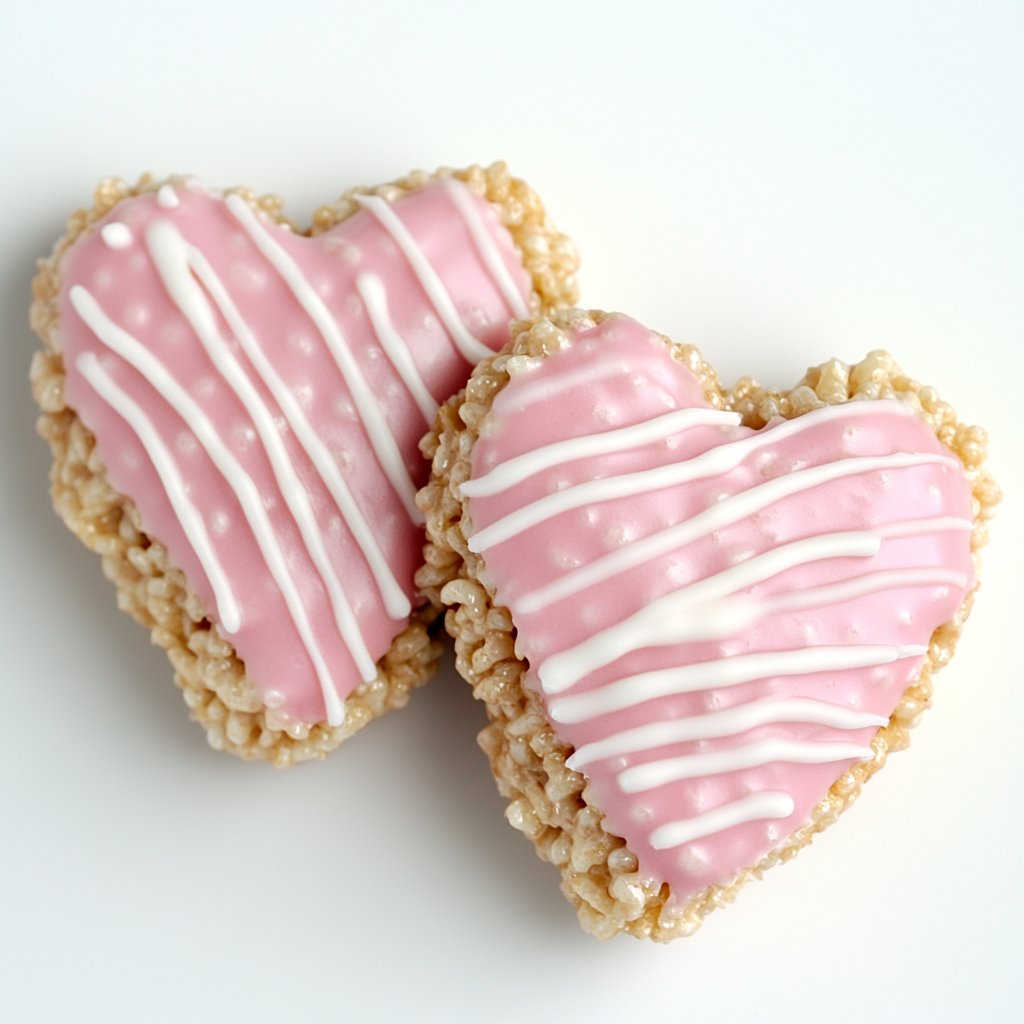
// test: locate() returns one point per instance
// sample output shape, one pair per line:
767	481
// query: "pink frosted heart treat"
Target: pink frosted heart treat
234	411
700	619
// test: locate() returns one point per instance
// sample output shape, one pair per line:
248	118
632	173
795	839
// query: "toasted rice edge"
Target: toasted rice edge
548	801
155	592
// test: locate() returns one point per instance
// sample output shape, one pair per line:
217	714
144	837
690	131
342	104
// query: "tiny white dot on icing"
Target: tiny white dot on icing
186	442
475	318
904	617
244	435
324	287
249	277
221	522
167	197
135	314
772	833
934	492
881	676
270	502
345	408
116	235
641	813
206	386
101	279
618	535
302	343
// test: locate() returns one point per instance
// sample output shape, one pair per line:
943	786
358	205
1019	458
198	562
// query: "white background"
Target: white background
777	182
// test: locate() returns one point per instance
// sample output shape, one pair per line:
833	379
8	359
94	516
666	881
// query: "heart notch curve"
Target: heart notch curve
700	619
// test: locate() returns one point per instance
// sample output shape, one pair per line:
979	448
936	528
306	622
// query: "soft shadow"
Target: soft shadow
65	573
440	729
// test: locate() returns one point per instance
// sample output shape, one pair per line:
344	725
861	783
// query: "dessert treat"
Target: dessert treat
700	618
234	410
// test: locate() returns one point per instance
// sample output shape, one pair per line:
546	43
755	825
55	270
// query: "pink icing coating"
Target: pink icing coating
125	283
655	385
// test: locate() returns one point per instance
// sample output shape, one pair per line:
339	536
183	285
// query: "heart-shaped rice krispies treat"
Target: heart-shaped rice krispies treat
234	411
700	619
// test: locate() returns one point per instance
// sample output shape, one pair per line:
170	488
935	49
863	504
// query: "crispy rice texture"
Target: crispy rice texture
548	801
155	592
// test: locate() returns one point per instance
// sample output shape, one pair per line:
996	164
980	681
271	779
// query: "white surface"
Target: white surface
778	183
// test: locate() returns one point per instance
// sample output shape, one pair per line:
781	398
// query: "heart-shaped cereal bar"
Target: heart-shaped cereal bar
696	639
234	411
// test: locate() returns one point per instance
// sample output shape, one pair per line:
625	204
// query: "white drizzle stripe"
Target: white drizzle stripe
521	467
472	349
135	353
694	611
547	388
228	612
730	722
714	462
170	254
756	807
374	295
395	600
167	197
706	675
861	586
726	512
707	609
486	246
381	439
643	777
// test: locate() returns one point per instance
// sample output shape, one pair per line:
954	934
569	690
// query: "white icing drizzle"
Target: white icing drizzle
756	807
374	295
135	353
167	197
513	471
643	777
395	600
472	349
730	722
724	513
228	613
713	462
741	668
486	246
116	235
861	586
708	609
373	418
170	254
546	388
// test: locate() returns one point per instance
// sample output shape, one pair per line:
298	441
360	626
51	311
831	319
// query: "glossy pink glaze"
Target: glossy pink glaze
126	285
654	385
